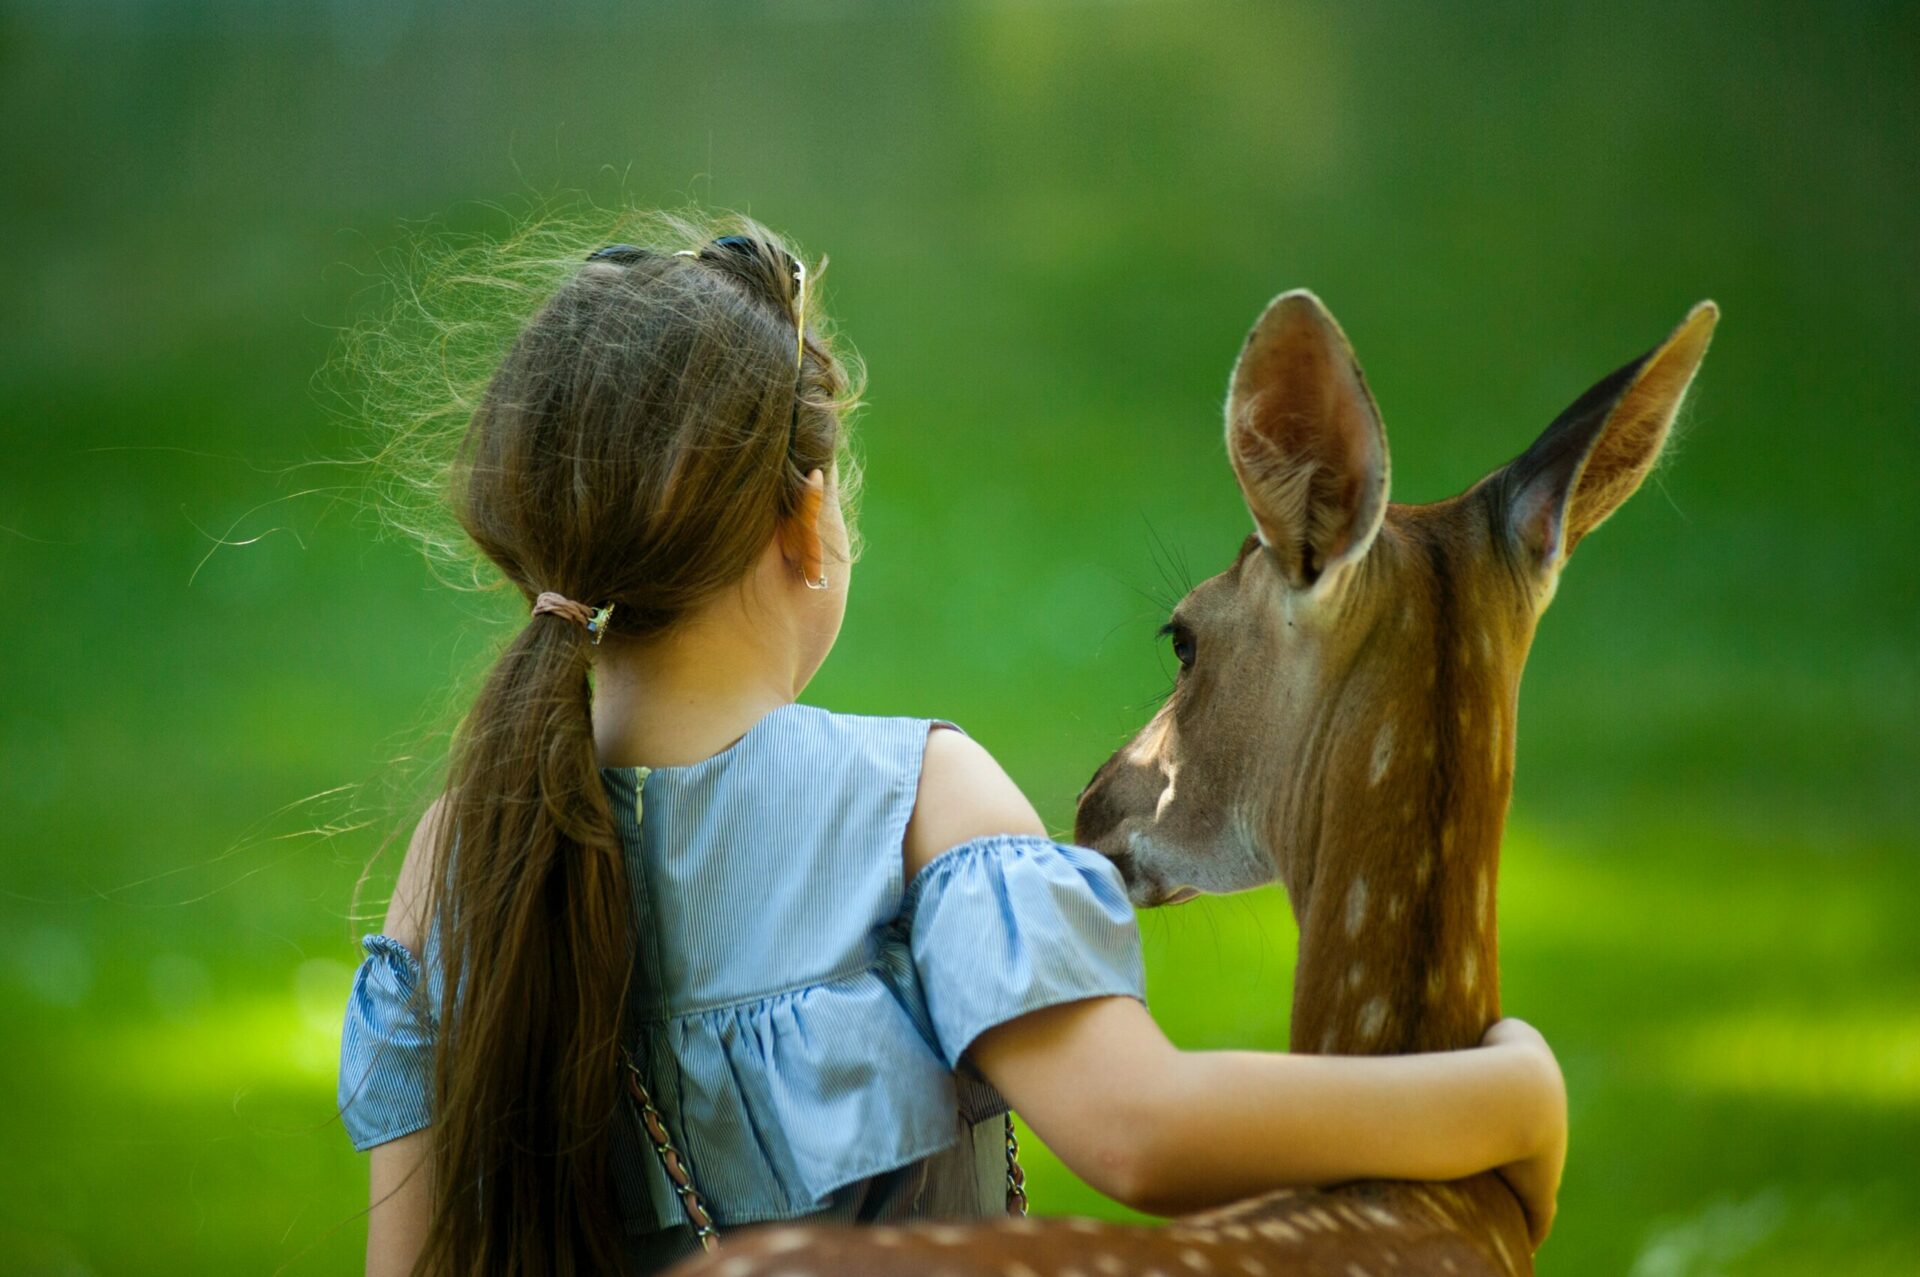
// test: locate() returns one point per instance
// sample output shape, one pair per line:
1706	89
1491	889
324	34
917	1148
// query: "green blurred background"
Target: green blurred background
1050	225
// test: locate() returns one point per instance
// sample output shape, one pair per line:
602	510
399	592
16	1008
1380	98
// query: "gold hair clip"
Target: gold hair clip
799	313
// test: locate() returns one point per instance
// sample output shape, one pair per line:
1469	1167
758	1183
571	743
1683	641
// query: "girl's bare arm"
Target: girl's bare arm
1166	1130
401	1185
402	1191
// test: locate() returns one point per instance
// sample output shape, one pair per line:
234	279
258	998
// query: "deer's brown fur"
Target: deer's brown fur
1343	723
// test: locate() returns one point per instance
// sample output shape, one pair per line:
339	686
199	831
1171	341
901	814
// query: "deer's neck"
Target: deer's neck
1396	904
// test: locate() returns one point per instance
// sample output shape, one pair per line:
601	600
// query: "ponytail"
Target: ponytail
537	954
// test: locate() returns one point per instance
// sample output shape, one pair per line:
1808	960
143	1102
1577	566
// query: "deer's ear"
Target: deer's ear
1306	441
1597	452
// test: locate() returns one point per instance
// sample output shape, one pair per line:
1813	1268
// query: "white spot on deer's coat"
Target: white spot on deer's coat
1373	1018
1480	897
1112	1265
1486	645
1278	1231
1382	754
1423	868
1023	1226
1381	1216
1327	1221
1196	1261
1470	971
1326	1042
946	1236
1394	907
1355	974
1251	1265
1436	984
1355	1270
738	1266
1238	1232
1356	906
1084	1225
1351	1215
1017	1269
783	1239
884	1235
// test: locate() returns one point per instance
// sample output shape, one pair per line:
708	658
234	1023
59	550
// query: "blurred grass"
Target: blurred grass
1050	226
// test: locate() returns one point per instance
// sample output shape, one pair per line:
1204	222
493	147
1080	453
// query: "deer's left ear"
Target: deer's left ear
1596	453
1306	441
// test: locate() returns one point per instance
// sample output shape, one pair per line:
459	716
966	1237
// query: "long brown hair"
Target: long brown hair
638	444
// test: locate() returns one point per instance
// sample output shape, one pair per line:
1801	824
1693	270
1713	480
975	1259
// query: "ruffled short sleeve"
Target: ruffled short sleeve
1008	924
386	1046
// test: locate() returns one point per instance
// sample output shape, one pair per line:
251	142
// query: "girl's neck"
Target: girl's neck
686	695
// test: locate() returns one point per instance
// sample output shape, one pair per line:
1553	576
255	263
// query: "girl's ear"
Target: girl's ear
800	539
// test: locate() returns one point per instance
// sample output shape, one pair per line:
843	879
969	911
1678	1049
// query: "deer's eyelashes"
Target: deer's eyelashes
1183	643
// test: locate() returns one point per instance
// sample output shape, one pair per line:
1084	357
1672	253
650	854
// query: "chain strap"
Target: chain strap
670	1159
1016	1178
681	1173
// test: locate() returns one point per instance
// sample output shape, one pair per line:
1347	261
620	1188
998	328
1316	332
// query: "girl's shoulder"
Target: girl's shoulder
963	794
960	791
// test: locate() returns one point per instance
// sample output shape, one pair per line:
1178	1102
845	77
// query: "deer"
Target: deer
1342	723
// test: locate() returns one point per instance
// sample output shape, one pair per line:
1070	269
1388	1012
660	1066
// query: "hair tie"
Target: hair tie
579	613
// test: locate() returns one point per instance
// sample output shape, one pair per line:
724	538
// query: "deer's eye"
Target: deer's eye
1183	645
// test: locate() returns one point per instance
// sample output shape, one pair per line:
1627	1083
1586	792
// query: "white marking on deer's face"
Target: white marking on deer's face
1195	802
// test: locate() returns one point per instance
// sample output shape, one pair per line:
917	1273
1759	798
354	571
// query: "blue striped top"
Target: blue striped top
803	1011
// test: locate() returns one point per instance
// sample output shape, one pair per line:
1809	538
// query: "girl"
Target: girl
722	956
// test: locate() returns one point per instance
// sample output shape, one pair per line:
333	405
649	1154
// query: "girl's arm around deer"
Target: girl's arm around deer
1165	1130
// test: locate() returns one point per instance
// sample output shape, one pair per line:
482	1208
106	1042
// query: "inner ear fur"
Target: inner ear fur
1305	440
1598	452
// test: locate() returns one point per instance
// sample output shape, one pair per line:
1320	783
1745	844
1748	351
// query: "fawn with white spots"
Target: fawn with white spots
1343	723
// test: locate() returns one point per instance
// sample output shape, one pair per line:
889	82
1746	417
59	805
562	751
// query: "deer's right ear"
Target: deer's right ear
1306	441
1597	452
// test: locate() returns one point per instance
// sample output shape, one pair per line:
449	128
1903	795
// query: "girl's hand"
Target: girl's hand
1536	1179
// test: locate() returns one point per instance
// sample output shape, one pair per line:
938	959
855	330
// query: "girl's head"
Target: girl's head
665	427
